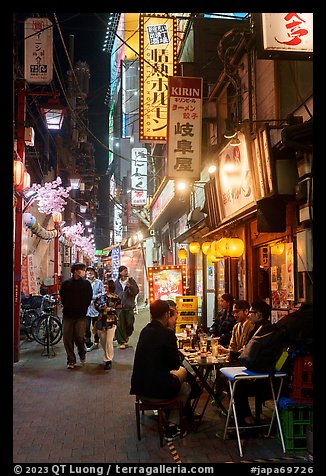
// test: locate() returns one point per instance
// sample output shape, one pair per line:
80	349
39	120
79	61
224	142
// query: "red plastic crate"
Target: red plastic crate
302	379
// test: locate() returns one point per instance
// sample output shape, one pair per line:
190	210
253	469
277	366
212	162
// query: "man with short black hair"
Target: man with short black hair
157	374
76	295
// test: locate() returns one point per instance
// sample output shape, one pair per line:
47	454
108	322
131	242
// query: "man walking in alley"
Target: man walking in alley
127	289
76	295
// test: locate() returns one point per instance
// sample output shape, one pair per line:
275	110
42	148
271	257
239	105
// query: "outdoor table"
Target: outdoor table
203	369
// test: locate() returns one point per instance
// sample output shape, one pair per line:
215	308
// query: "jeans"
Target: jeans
88	333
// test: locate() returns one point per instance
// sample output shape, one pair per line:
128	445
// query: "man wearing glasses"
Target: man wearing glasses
241	331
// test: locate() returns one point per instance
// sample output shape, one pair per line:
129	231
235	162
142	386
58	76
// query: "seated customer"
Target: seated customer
157	374
224	321
240	336
241	330
260	314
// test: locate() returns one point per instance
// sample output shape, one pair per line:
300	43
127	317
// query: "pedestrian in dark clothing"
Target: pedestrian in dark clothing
224	321
76	295
127	289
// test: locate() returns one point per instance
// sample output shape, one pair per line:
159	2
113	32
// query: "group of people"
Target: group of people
158	372
107	311
104	309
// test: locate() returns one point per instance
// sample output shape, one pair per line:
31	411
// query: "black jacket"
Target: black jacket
156	354
222	327
76	295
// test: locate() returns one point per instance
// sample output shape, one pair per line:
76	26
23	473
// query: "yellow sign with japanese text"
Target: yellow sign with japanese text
158	53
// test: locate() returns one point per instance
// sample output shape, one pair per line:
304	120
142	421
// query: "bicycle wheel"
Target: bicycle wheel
28	316
44	324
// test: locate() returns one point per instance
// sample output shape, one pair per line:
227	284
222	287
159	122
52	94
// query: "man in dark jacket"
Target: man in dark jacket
156	356
224	321
76	295
127	289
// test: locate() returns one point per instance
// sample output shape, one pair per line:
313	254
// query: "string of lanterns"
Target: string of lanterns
216	250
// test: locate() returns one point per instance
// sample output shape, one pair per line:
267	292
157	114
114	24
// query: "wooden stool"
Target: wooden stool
141	405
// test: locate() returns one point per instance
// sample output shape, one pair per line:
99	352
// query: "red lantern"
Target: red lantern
19	169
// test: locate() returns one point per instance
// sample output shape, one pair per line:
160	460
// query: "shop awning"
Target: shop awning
194	233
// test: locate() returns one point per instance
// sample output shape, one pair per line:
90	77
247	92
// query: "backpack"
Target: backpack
263	349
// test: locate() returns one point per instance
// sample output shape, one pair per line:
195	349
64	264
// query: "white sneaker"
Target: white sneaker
88	349
71	365
94	346
83	361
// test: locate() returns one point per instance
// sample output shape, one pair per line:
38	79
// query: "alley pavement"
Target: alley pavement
86	415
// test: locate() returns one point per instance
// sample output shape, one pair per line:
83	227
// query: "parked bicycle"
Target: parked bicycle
47	327
27	316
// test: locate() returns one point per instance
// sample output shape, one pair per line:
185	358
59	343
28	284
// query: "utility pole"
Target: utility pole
21	115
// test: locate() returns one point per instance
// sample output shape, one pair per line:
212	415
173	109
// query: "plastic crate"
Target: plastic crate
295	417
302	379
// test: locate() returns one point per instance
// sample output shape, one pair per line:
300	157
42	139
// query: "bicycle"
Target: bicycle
27	316
47	328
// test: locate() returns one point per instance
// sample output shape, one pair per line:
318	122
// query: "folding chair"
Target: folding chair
238	374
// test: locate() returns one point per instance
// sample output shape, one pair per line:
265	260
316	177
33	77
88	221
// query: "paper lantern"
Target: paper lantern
205	247
231	247
215	250
57	217
26	180
182	254
278	249
222	246
213	258
19	169
236	247
194	247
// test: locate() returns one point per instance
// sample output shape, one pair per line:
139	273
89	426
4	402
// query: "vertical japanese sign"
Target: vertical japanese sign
184	127
31	275
117	228
115	256
38	65
288	31
138	176
158	54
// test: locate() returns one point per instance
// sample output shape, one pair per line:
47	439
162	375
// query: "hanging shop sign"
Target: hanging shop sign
115	257
162	200
139	176
38	64
285	35
234	180
184	127
117	228
32	283
157	61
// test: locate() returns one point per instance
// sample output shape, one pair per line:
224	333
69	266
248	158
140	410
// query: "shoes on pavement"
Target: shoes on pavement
172	432
92	347
70	365
122	346
83	361
107	365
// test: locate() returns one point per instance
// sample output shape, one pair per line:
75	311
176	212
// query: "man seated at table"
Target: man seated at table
260	313
241	330
240	335
157	374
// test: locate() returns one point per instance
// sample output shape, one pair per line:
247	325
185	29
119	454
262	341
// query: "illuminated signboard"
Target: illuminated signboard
38	64
158	53
234	182
284	35
162	200
184	127
166	282
139	176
